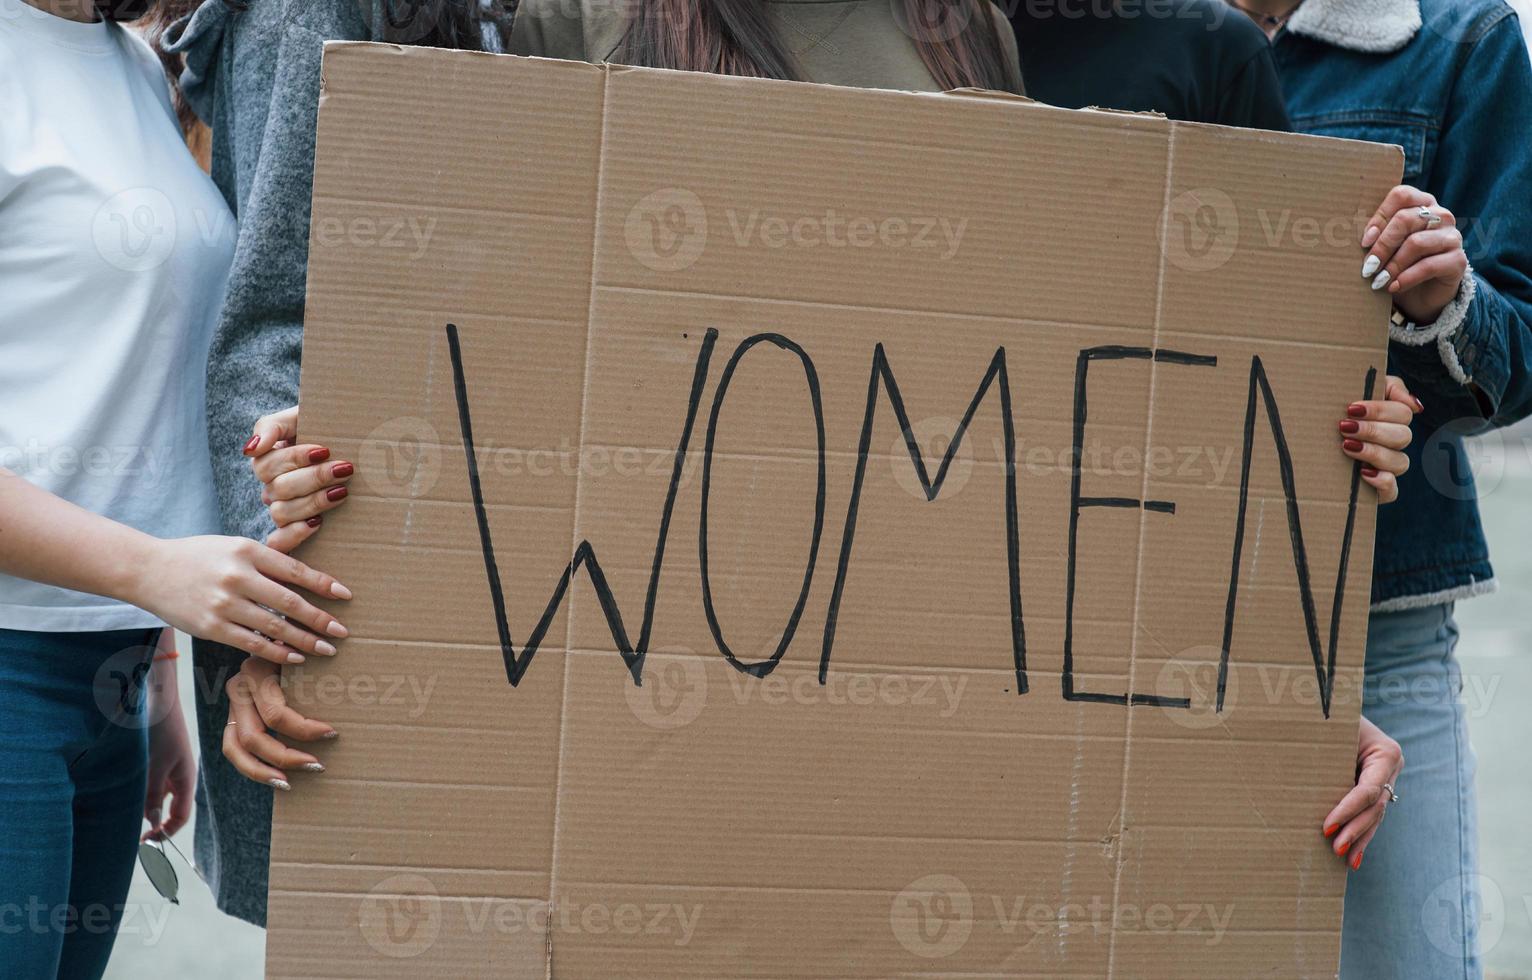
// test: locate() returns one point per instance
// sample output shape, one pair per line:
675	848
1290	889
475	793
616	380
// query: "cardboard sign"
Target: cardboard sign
815	532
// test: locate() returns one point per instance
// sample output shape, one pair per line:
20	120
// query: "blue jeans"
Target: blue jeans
1412	909
73	762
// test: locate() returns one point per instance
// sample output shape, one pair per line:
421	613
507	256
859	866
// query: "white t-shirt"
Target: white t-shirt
114	255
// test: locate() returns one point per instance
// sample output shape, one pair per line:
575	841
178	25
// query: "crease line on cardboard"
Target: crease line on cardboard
574	531
1143	522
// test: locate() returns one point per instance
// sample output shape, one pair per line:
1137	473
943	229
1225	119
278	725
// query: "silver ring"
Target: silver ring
1431	218
1392	796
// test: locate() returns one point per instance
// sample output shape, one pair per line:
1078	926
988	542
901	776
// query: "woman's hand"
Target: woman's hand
1354	821
172	766
300	480
1376	433
230	590
1415	251
256	704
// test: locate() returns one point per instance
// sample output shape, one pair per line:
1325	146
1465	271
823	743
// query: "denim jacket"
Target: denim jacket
1450	81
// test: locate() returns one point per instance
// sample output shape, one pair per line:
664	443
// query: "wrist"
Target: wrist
131	568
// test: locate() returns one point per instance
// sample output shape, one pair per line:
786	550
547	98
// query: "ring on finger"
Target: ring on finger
1389	789
1431	218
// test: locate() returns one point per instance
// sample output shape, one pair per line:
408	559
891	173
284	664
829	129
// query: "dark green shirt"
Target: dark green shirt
859	43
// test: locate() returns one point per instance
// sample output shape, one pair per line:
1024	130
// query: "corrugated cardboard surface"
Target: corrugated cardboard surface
610	245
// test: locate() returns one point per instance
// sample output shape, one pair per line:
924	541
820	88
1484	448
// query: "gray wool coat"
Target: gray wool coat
252	74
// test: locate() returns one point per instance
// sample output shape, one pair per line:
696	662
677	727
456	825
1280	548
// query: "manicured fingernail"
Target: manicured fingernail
1370	235
1369	471
339	591
1420	406
250	446
1350	426
1381	280
312	767
1356	410
1352	445
1343	849
335	493
332	733
318	454
343	470
324	649
315	521
295	658
280	784
336	629
1370	266
1330	830
1356	861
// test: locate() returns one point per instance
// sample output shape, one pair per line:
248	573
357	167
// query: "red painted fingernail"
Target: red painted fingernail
1356	862
1369	471
318	455
250	446
1352	445
1350	426
343	470
1330	830
335	493
1419	405
1343	849
315	521
1356	410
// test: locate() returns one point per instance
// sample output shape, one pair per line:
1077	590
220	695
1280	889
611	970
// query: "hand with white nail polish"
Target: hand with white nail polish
258	707
1415	251
235	592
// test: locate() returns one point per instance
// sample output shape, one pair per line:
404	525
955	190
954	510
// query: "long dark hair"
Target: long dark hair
956	39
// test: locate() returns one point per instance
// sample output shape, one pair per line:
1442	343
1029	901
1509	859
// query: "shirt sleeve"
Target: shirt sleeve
1475	362
1252	98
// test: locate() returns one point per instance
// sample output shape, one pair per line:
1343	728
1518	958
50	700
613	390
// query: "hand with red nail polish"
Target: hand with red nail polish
1351	826
300	481
1376	433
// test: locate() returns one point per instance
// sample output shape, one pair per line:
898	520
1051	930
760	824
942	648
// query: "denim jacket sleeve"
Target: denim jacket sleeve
1475	362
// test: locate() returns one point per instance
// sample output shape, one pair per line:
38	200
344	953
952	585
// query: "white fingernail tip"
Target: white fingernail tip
324	649
1370	266
313	767
1382	280
339	591
336	629
295	658
280	784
